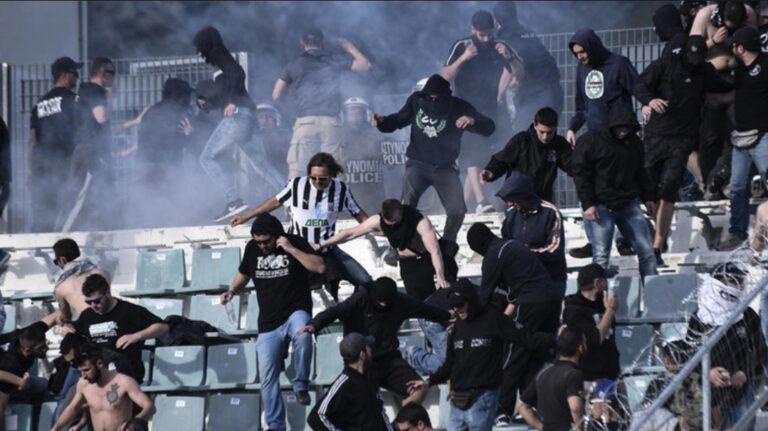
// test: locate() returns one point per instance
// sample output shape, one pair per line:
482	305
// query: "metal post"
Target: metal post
706	391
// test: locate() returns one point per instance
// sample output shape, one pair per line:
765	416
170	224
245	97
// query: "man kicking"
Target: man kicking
109	395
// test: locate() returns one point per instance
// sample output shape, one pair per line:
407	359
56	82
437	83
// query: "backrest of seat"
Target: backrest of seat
670	297
214	267
635	344
46	414
210	309
628	294
296	413
178	366
163	269
163	307
18	417
179	413
329	361
232	363
234	412
252	313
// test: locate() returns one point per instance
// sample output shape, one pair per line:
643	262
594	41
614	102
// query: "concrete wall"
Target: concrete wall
40	31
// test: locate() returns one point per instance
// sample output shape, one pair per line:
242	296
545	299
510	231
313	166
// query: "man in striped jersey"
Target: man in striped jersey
316	201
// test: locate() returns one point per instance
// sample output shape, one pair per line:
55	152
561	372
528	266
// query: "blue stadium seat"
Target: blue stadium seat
231	366
177	368
213	269
628	294
158	273
296	414
163	307
209	309
328	359
669	297
10	318
234	412
18	417
46	415
635	345
179	413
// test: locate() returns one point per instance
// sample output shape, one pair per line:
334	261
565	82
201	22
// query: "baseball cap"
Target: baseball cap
457	297
354	343
483	20
590	273
64	64
747	37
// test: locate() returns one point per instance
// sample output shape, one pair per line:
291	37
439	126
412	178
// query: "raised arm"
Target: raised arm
429	238
371	224
360	63
312	262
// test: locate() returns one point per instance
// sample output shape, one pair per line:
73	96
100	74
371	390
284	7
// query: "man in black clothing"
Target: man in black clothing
51	143
438	121
611	180
557	392
532	300
668	25
117	325
672	90
379	310
592	312
537	152
474	361
353	402
481	67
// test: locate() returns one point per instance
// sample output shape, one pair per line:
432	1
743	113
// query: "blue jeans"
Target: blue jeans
731	415
424	361
73	376
357	274
631	223
269	349
217	158
479	417
741	162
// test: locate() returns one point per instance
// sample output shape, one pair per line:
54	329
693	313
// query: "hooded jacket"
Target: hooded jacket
601	361
674	79
474	357
435	139
358	314
160	139
669	27
231	83
541	229
608	171
607	80
525	153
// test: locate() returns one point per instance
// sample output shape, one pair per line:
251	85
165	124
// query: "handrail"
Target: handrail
704	349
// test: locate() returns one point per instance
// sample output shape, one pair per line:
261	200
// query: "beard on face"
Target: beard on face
96	376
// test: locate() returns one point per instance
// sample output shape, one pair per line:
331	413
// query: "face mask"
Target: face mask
381	306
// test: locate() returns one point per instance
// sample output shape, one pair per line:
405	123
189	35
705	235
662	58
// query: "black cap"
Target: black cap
590	273
64	64
748	37
312	36
354	343
483	20
457	298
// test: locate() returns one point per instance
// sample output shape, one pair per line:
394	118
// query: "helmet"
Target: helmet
356	102
271	109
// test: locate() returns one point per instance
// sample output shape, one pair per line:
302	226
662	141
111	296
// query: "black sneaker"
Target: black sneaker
302	397
233	208
659	259
581	252
625	249
732	243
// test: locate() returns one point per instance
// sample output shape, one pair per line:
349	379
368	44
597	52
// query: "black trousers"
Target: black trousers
418	274
445	179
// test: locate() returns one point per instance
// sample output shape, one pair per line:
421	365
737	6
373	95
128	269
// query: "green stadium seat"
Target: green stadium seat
231	366
158	273
252	314
669	297
628	294
146	358
213	269
635	345
328	359
179	413
177	368
208	308
286	377
163	307
234	412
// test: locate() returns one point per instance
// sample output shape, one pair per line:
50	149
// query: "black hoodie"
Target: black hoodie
435	139
160	138
601	361
474	357
609	171
231	83
669	27
607	80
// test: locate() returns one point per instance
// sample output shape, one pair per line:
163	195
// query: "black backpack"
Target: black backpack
184	332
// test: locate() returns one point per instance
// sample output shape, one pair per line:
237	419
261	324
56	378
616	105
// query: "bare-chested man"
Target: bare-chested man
109	395
69	286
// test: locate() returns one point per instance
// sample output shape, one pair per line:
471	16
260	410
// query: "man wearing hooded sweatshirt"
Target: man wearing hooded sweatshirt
438	121
279	266
532	300
379	310
475	356
668	25
611	181
236	127
672	90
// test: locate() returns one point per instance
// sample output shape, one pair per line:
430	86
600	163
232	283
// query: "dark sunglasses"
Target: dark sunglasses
319	179
109	71
263	242
95	301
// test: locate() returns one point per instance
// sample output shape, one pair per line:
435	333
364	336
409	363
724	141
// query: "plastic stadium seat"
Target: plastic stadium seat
146	358
163	307
252	313
46	414
213	269
177	367
296	414
179	413
231	366
18	417
628	294
571	286
329	362
10	318
286	377
669	297
673	330
234	412
635	345
158	273
209	309
635	387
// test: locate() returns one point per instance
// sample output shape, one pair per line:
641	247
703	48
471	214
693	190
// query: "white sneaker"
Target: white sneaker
484	208
233	208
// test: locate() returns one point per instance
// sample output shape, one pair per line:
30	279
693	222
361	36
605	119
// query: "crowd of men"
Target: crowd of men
704	105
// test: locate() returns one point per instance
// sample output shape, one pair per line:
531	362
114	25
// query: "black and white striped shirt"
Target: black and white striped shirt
314	212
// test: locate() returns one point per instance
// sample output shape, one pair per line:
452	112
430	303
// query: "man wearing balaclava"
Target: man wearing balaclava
672	90
480	67
438	121
668	25
379	310
611	182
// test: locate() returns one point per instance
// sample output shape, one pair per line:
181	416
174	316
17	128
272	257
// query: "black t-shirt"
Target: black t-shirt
105	329
364	167
53	120
11	360
763	36
281	282
314	76
89	132
550	392
751	100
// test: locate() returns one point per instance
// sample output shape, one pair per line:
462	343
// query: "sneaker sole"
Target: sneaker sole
232	213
